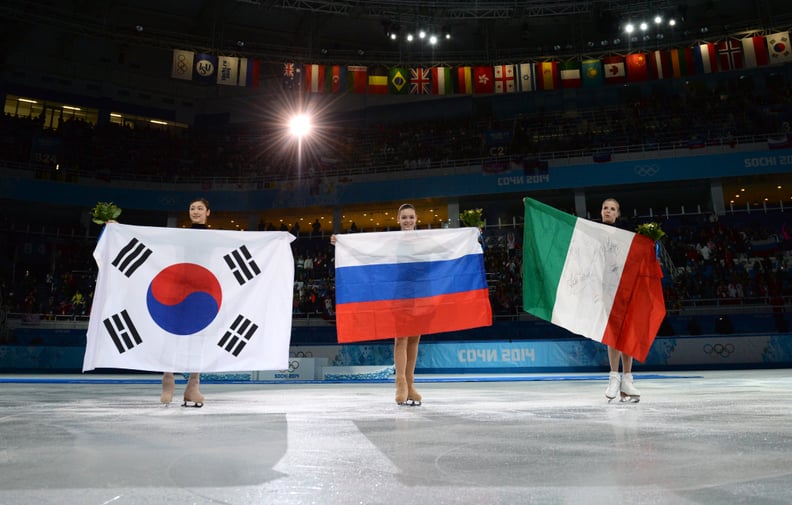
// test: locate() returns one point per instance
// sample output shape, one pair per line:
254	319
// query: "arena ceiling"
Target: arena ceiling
351	31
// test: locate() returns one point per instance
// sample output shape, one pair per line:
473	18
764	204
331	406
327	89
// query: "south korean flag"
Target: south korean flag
189	300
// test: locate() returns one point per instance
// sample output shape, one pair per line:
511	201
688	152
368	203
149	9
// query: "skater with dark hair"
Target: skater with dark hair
199	212
618	385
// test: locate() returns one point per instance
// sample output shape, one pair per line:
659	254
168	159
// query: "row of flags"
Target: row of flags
211	69
705	58
186	300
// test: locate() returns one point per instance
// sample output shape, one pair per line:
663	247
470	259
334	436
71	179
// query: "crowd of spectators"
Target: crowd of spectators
251	153
727	259
735	259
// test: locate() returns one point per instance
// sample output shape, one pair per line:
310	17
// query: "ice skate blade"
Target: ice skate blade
630	399
189	403
409	403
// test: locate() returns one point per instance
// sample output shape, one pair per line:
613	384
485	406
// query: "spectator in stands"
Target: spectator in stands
610	213
405	349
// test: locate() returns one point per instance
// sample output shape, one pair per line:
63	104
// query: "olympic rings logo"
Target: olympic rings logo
722	350
302	354
293	365
646	170
181	64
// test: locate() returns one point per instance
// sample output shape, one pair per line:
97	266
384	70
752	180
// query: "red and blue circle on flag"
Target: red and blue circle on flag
184	298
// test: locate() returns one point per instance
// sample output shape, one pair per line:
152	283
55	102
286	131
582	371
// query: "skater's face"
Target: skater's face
199	211
407	217
610	211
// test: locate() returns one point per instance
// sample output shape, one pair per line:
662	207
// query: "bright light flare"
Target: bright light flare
300	126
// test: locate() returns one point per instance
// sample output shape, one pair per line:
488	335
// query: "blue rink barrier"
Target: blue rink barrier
487	357
354	380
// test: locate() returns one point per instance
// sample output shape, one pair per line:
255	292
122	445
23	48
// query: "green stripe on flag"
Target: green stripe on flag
546	237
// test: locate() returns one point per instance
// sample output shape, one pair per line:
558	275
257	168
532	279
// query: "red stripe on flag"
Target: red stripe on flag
638	308
357	322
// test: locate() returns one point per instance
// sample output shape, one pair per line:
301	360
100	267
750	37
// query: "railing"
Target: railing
443	167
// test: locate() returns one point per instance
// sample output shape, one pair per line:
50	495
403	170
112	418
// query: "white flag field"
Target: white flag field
189	300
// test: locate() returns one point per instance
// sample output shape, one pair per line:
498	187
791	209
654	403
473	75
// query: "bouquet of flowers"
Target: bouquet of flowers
472	217
651	230
104	212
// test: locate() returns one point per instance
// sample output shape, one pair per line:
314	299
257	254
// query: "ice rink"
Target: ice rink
708	437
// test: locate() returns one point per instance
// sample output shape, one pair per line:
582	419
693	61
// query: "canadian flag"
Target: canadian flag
613	70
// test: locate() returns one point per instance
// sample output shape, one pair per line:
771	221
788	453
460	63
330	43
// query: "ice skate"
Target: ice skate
193	398
401	392
629	393
168	385
413	396
192	395
614	385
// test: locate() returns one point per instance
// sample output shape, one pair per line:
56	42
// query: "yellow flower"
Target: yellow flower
472	217
651	230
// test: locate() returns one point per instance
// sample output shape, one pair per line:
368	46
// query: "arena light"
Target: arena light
300	125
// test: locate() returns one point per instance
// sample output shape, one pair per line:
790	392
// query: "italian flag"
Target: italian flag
595	280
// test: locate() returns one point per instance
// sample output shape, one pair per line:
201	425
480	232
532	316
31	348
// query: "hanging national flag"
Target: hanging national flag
205	68
504	78
570	74
483	80
705	57
336	79
660	65
464	81
249	72
398	83
730	54
681	62
403	283
442	83
592	73
547	77
357	78
228	70
315	78
595	280
755	51
377	80
182	64
185	300
526	77
779	48
421	82
613	70
637	68
291	76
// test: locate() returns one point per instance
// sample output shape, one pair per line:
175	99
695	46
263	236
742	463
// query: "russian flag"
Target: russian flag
406	283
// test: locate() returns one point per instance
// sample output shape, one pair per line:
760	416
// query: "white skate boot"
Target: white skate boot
629	393
614	385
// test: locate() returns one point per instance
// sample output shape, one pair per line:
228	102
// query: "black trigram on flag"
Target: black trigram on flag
134	254
124	334
242	265
238	335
